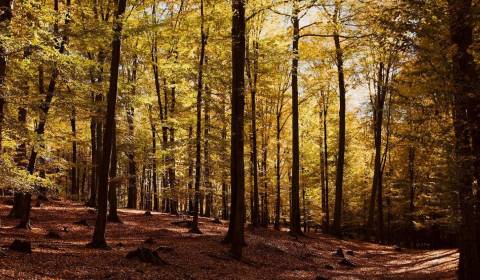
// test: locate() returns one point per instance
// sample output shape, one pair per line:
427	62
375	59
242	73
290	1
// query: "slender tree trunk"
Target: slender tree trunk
324	164
378	107
113	184
295	227
327	173
142	189
337	219
73	179
171	170
206	151
198	157
190	169
93	174
265	213
276	224
255	219
156	200
98	240
132	166
225	212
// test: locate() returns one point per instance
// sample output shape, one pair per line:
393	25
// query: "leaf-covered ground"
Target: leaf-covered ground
269	254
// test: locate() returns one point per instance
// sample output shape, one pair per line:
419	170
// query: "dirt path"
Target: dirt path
269	255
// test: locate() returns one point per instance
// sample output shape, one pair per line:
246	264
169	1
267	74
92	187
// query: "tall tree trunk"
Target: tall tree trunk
252	79
207	160
411	183
190	169
276	224
113	182
172	181
265	214
327	173
464	87
132	166
142	189
99	126
378	106
337	217
225	212
235	234
198	153
93	174
295	227
324	162
73	179
156	199
98	240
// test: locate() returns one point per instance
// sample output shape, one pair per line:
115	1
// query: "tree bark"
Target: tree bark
98	240
235	234
324	162
464	87
276	224
132	166
206	152
73	179
376	193
337	219
156	199
295	227
190	169
198	143
252	79
113	184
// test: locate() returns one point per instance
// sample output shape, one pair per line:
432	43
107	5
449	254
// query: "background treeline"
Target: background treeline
379	164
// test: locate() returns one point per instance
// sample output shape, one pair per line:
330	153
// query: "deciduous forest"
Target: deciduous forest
240	139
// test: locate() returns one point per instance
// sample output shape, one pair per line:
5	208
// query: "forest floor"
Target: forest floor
268	255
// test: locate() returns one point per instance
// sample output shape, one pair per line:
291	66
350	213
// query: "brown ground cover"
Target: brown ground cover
269	254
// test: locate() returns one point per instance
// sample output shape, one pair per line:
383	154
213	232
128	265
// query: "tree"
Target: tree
235	234
198	153
98	240
464	79
295	228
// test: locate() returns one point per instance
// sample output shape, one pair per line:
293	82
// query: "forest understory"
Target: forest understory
268	255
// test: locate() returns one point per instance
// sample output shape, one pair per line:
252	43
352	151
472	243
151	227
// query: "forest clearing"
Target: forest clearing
240	139
269	254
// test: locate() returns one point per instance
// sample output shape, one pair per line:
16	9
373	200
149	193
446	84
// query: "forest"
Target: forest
240	139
